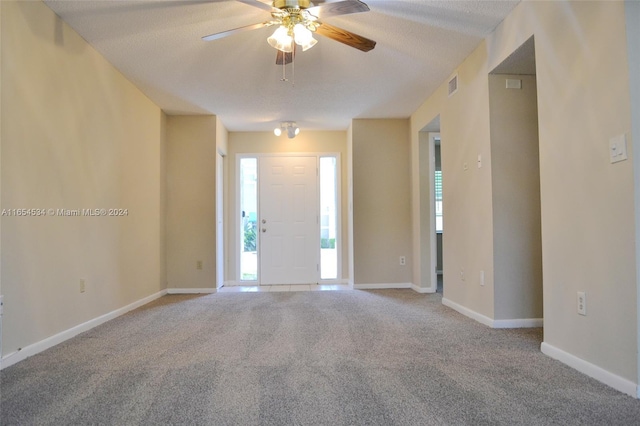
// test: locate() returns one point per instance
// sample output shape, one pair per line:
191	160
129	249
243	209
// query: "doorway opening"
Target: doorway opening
515	170
431	207
437	190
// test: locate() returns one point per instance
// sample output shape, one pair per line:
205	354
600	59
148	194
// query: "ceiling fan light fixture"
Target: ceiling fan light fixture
297	20
312	42
277	131
281	40
303	37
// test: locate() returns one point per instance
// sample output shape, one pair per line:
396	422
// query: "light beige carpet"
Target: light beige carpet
391	357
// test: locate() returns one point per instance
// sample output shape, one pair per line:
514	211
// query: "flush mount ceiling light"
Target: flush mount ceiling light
288	126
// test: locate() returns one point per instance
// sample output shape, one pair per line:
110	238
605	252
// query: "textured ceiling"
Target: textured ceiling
158	46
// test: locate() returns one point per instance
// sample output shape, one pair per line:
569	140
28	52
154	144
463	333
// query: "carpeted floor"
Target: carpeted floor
389	357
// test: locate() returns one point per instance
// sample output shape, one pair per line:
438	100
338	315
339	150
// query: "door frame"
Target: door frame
433	136
428	280
237	208
220	224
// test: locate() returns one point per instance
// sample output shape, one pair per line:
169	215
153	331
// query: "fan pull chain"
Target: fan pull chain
293	66
284	69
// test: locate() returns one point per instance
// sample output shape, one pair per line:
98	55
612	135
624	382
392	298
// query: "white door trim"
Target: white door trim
220	251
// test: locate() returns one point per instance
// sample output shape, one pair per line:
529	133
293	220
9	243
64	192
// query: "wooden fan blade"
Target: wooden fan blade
285	57
216	36
258	4
346	37
327	10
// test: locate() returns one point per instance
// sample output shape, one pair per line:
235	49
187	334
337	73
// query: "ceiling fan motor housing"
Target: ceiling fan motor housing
292	4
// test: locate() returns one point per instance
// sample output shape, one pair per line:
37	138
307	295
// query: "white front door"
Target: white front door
288	223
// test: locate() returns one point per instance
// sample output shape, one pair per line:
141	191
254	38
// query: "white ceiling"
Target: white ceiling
158	46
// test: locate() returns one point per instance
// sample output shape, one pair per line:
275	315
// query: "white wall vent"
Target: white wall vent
453	85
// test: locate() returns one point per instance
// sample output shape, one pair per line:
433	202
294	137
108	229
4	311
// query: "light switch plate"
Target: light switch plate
513	83
618	148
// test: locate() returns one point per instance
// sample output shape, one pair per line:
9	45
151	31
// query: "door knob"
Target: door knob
264	220
264	229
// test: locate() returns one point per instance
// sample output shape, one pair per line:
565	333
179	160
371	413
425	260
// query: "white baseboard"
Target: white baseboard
255	283
519	323
334	282
191	290
510	323
618	383
422	290
468	312
380	286
36	348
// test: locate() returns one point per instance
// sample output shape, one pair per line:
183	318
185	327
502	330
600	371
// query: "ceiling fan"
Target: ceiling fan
297	20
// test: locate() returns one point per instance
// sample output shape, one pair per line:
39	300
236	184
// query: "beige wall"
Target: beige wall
381	201
75	134
1	183
191	202
267	143
515	183
467	208
586	202
349	208
579	116
163	199
632	10
0	173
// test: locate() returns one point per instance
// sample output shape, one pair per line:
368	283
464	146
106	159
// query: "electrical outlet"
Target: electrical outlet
582	303
199	264
461	274
82	286
482	278
403	260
